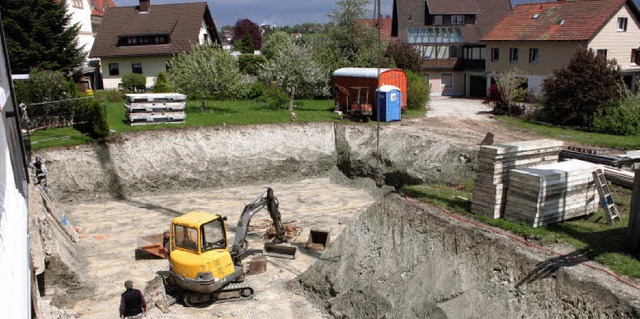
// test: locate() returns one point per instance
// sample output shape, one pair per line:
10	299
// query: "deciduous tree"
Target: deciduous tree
247	32
589	83
294	71
206	72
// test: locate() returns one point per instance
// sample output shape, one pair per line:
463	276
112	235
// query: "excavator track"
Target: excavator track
230	292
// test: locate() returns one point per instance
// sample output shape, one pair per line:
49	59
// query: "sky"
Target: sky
278	12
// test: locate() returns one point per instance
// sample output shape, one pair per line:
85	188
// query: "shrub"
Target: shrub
162	83
274	98
44	85
250	63
405	56
418	91
92	118
621	119
134	82
252	91
109	95
588	84
507	90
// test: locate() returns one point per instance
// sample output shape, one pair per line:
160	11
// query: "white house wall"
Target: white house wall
15	297
82	16
618	43
151	66
204	31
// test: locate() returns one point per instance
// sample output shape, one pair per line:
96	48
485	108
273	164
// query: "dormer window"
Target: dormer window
143	40
457	19
622	24
559	22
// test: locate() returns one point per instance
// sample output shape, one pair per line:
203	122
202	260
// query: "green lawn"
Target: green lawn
216	113
586	138
590	235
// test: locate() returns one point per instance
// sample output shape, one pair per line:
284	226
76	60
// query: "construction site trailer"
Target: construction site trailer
154	108
347	81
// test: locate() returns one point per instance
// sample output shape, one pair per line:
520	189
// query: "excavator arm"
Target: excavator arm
268	200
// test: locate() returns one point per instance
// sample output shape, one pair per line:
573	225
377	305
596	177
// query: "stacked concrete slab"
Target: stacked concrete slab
155	108
494	164
551	193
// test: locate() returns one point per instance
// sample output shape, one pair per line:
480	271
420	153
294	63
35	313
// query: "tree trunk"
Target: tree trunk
293	95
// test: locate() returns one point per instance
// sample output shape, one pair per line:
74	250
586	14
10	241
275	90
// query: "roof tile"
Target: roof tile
578	20
181	22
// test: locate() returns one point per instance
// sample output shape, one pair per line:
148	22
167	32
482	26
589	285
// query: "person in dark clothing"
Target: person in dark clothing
132	302
40	171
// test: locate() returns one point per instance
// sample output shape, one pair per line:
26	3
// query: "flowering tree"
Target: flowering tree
206	72
293	70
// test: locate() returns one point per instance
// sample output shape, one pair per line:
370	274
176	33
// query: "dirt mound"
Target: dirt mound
406	260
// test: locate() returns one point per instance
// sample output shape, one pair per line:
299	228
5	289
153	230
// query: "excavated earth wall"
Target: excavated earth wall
174	160
396	260
406	260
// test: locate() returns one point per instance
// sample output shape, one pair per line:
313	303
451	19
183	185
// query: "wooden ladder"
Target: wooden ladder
606	199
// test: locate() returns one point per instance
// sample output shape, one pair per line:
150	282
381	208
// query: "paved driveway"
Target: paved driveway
445	106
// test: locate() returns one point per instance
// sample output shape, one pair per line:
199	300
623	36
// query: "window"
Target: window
533	55
535	16
213	236
635	56
206	38
513	55
495	55
437	20
77	4
453	52
114	69
136	68
143	40
622	24
185	237
602	52
457	19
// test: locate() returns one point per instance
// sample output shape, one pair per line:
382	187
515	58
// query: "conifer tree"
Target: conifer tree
39	35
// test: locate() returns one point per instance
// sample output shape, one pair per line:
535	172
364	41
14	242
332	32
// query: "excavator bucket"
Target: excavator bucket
318	240
281	251
151	247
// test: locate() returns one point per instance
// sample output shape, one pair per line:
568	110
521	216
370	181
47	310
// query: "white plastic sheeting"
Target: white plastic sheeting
15	296
359	72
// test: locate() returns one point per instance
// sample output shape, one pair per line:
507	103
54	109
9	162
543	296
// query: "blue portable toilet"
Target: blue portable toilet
388	98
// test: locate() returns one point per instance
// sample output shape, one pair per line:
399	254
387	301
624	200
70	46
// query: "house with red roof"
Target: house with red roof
98	8
385	27
447	34
142	39
542	37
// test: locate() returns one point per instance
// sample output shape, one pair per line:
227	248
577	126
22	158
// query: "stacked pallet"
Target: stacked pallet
155	108
494	164
552	193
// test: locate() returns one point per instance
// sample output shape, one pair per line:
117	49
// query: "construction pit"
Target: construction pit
389	256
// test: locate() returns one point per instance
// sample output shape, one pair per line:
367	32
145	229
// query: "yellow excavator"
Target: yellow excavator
204	267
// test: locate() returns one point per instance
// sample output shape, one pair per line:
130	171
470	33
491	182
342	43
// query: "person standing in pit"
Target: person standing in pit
132	302
40	171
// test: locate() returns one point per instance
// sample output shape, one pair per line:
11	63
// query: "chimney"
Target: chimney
145	5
